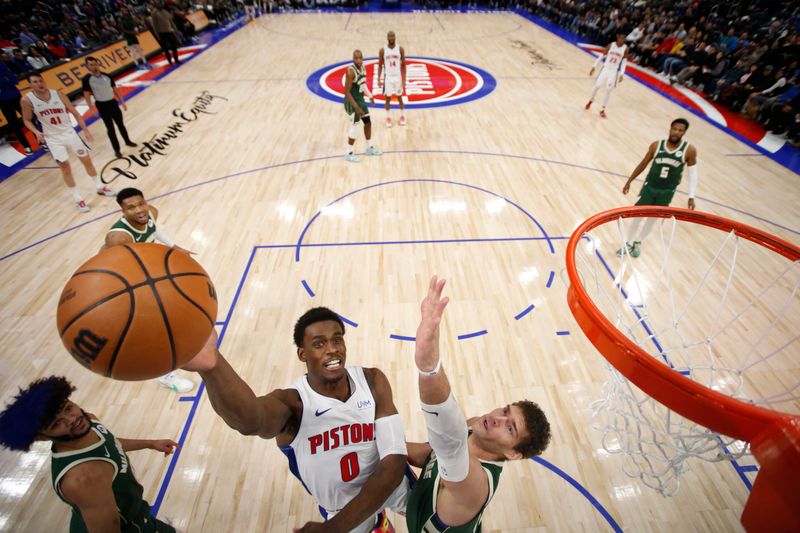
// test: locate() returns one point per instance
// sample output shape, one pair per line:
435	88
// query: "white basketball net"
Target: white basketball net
716	307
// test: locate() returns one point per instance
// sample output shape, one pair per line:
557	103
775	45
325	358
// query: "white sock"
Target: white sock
369	143
97	183
75	194
349	149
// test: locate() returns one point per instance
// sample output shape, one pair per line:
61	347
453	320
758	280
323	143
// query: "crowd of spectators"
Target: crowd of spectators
35	35
743	55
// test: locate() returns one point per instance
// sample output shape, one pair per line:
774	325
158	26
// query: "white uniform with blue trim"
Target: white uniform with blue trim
335	449
57	127
611	65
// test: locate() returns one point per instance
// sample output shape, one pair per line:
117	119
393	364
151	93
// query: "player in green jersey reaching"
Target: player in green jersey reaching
669	157
90	467
461	466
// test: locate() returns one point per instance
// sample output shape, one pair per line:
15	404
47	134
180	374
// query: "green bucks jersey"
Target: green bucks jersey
147	235
134	512
667	167
421	514
357	89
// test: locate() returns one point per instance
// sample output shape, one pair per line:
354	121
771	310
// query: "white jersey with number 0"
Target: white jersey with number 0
335	449
53	116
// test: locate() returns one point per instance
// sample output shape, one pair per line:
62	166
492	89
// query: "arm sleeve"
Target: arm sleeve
691	173
447	433
161	237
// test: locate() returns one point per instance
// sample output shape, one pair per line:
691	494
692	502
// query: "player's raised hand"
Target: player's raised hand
426	355
165	446
206	358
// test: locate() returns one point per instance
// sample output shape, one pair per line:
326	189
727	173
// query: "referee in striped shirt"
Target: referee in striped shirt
101	87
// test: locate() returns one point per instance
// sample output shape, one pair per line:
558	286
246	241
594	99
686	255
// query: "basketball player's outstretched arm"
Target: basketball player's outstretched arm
651	152
464	484
234	400
386	477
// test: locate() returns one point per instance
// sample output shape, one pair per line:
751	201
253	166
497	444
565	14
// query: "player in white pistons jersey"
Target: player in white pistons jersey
53	109
334	450
392	74
614	60
337	425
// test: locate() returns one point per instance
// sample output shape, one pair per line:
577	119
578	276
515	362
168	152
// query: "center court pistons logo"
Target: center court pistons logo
430	82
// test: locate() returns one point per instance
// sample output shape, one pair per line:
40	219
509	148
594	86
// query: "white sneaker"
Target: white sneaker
402	120
176	383
371	150
353	158
106	191
388	122
82	207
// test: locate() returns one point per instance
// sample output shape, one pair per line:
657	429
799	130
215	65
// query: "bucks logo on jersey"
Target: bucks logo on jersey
667	168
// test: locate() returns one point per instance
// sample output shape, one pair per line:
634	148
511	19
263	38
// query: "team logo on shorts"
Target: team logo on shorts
430	82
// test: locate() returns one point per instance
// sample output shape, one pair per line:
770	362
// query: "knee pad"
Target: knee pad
366	119
352	132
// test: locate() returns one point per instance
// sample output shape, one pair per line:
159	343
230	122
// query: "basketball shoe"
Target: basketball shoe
176	383
388	122
383	525
626	250
82	207
603	113
371	150
353	158
105	191
636	249
402	120
588	105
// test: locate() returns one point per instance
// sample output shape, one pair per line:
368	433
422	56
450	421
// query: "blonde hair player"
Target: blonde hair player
52	109
614	59
392	76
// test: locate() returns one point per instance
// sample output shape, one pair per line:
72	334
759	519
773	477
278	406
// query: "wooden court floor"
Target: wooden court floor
467	191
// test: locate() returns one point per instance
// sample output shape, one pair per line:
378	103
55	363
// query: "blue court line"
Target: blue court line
196	399
307	288
402	337
348	322
580	488
550	279
562	333
473	334
219	323
403	152
749	468
524	312
187	399
419	180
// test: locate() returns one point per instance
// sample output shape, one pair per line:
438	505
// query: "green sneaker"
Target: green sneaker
626	250
636	248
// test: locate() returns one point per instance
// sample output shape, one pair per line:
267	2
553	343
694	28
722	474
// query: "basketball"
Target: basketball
136	311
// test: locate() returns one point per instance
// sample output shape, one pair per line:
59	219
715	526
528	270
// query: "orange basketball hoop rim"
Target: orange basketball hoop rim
774	436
